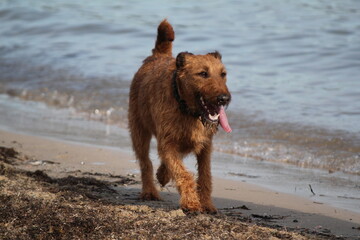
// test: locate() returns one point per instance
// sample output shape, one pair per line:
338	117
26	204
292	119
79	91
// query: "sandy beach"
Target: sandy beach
74	179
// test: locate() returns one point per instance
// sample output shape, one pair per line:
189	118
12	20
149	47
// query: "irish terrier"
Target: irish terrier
181	102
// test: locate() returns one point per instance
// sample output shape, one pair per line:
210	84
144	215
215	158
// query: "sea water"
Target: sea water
293	71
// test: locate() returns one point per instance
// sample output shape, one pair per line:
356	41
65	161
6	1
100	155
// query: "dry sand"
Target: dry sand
59	190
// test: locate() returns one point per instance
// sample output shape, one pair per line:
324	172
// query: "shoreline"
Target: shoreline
335	188
233	198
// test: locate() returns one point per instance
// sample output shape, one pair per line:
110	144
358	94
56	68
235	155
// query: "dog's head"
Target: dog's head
201	80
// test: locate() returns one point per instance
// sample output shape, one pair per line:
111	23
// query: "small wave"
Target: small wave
302	146
22	14
339	32
100	99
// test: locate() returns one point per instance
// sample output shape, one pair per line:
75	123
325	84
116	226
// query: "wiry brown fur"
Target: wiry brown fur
153	110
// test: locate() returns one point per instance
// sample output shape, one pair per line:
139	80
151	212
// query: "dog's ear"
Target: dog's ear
216	54
180	59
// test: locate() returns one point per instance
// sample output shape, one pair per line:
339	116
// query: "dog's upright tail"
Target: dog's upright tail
164	39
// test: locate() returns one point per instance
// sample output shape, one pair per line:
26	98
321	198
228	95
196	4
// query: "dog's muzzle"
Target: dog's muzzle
214	113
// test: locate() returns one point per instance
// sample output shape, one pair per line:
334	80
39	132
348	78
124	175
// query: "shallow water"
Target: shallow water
293	70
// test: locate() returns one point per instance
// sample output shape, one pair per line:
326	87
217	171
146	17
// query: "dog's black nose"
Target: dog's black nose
223	99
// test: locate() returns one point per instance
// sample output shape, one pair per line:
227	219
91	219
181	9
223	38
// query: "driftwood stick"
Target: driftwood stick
312	191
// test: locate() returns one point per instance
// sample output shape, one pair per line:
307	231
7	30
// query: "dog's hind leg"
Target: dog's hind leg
141	144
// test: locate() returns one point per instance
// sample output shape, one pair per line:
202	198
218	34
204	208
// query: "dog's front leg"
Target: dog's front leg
185	183
204	179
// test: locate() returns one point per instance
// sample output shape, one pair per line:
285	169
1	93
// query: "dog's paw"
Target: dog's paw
163	175
191	207
163	180
188	212
150	196
210	209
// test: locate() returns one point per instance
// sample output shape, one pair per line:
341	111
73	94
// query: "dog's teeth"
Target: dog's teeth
214	117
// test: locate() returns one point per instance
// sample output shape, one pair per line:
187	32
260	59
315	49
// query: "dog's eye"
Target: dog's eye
223	74
203	74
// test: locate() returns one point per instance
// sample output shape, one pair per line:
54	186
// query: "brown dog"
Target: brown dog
181	102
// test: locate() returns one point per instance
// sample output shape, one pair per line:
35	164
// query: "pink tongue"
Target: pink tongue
223	120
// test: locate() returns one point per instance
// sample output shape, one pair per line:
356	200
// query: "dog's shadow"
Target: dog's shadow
105	188
119	190
94	186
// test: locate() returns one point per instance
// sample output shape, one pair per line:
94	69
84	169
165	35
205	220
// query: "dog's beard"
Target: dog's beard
210	126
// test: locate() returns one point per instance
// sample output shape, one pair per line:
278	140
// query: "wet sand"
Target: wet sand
93	190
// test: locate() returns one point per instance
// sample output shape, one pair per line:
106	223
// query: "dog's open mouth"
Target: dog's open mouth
214	114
